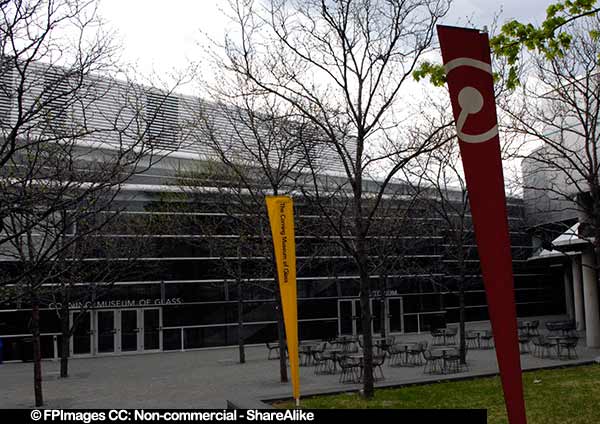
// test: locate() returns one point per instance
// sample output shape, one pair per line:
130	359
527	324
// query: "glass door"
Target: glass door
346	318
349	314
375	316
106	332
151	324
395	315
129	330
81	341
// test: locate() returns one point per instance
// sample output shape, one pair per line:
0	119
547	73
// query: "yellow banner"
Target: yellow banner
281	217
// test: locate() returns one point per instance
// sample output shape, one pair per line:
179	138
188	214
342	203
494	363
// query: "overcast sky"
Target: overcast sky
159	35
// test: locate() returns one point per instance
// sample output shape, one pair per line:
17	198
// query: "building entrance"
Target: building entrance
111	331
349	316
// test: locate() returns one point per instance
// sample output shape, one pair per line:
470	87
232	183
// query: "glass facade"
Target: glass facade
185	291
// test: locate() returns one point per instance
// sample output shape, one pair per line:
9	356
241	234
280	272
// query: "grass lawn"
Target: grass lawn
568	395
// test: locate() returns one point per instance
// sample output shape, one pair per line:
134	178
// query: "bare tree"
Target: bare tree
341	66
71	135
254	147
440	178
88	270
234	232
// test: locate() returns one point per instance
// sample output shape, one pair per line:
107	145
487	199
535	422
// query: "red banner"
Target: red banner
466	55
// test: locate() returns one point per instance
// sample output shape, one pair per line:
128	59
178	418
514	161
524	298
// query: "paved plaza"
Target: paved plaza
207	378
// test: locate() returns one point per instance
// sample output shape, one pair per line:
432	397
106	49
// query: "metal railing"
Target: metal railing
54	336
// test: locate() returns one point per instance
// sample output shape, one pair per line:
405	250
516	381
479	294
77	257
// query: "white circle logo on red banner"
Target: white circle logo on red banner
470	101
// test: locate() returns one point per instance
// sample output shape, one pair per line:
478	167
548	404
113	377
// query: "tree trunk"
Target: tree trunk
66	335
37	351
383	309
241	323
365	290
461	318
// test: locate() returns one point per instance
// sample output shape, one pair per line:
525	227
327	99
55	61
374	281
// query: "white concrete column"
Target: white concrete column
578	292
590	298
568	293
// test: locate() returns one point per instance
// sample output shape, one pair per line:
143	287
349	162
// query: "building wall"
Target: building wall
181	273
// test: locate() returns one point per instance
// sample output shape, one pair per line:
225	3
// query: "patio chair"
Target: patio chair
534	327
323	363
451	361
396	355
438	337
568	328
541	346
415	353
553	327
486	339
524	340
273	350
472	340
378	361
570	344
433	362
350	370
451	333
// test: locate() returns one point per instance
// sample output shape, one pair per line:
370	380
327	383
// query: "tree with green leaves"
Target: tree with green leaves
551	39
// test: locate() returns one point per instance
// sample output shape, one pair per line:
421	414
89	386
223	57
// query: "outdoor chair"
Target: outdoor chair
433	362
396	355
389	341
541	346
415	353
308	353
323	363
553	327
438	337
451	333
534	327
569	328
348	346
273	350
378	361
570	344
524	340
350	370
451	361
472	340
486	339
561	327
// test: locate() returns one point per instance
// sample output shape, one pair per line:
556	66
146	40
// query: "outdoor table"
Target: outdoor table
524	343
307	350
344	343
380	344
557	340
481	333
444	350
404	352
359	362
444	333
334	354
526	326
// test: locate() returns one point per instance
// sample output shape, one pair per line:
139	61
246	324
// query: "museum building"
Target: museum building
200	271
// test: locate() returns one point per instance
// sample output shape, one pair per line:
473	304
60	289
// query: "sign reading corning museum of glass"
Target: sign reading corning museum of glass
467	62
119	303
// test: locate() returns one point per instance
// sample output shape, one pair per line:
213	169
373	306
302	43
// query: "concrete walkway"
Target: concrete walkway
205	378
